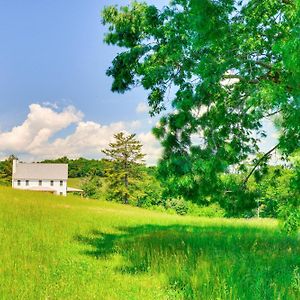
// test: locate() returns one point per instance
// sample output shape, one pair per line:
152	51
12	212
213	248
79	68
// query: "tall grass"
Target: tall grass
69	248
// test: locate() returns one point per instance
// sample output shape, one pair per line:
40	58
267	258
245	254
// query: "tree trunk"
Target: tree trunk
126	186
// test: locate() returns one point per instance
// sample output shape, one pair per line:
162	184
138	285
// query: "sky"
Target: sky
54	94
55	97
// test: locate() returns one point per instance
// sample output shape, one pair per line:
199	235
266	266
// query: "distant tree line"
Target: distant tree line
80	167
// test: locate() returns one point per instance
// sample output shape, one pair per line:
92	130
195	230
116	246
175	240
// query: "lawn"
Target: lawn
54	247
75	182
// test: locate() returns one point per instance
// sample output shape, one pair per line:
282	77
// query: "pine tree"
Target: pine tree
126	159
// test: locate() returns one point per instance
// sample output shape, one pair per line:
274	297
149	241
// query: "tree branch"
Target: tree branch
287	1
258	163
264	64
272	113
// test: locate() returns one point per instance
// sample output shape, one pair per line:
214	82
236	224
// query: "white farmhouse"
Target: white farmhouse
40	177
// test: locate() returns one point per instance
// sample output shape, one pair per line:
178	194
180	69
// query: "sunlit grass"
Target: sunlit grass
53	247
75	182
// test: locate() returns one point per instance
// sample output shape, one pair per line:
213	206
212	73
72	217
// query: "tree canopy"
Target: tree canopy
214	70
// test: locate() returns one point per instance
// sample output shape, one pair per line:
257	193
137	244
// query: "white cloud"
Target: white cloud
200	111
142	107
151	147
3	156
53	105
87	140
40	125
135	124
35	138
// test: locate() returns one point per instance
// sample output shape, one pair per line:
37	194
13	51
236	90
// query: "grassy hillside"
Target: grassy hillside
75	182
69	248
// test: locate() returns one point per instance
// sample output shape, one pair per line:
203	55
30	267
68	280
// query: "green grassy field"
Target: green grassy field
75	182
70	248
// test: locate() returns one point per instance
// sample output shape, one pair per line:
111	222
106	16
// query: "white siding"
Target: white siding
34	185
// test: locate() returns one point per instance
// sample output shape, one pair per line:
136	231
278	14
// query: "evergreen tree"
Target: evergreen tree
125	161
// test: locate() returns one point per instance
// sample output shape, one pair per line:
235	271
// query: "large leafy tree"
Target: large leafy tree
125	166
215	70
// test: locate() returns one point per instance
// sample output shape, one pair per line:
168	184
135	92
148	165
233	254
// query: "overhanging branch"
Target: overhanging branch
258	163
273	113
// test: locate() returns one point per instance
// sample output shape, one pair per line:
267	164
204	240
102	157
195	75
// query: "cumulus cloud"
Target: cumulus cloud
135	125
35	138
53	105
142	107
87	140
41	123
151	147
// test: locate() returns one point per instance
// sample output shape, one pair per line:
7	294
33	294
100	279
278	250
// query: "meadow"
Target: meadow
55	247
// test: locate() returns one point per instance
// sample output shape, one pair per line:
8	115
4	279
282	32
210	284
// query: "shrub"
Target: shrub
212	210
90	187
178	205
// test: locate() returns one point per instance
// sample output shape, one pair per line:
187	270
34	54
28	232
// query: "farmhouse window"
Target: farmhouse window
61	183
27	182
40	182
51	182
19	182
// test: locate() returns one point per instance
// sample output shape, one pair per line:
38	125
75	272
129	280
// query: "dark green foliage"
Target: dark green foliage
237	201
290	205
80	167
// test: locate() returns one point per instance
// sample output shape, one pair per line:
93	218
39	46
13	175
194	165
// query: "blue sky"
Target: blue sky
54	94
53	51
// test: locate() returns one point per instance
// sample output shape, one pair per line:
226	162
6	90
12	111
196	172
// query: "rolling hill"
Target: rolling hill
55	247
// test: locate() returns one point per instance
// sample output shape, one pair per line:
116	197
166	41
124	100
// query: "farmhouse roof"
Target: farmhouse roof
41	171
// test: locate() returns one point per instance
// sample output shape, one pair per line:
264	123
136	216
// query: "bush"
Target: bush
178	205
90	187
213	210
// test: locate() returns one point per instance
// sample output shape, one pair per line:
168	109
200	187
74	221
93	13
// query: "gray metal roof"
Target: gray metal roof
41	171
